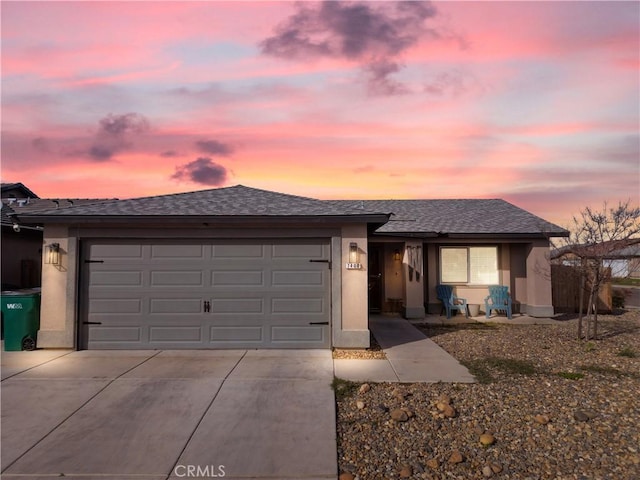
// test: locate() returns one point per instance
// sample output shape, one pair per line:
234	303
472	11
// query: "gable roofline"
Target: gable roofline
5	187
237	204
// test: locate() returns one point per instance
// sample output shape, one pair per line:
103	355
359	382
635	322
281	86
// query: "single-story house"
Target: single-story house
240	267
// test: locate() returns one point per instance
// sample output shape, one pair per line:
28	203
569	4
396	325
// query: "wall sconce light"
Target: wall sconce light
354	257
53	254
397	256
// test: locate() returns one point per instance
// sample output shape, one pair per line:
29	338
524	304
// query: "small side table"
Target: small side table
395	305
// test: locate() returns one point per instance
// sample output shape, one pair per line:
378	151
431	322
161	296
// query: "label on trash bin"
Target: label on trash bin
14	306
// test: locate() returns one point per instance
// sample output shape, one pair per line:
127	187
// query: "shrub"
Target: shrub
601	370
618	298
343	388
510	365
627	352
571	375
477	368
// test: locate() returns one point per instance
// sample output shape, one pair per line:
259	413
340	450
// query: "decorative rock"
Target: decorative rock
444	399
495	467
591	414
364	388
580	416
406	471
346	476
487	472
487	439
542	419
360	405
441	406
433	463
383	407
399	415
449	411
456	457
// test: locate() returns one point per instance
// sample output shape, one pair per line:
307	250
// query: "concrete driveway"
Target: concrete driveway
168	414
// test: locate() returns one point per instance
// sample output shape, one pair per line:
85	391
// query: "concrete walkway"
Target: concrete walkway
161	415
411	357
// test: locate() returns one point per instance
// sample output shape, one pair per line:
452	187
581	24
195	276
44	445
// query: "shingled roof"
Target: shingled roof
466	217
237	201
12	209
419	218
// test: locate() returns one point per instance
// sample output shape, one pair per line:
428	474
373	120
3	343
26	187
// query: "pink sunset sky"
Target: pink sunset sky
534	102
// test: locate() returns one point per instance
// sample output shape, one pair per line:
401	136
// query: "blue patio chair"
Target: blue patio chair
450	301
498	299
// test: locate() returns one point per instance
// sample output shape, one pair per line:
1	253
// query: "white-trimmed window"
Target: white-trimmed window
469	265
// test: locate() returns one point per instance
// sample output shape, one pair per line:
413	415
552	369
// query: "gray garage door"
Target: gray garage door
231	294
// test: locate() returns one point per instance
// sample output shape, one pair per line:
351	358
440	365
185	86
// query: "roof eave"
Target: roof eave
482	236
378	219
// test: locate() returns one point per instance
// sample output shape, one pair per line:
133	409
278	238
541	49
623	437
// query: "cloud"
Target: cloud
452	83
202	170
118	125
373	35
213	147
41	144
379	81
169	154
115	133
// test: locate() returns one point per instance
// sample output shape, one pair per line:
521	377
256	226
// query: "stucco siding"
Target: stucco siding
60	284
354	331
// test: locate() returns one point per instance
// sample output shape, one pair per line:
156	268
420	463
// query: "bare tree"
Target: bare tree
596	237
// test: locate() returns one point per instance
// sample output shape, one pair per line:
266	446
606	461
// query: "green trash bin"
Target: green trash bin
21	319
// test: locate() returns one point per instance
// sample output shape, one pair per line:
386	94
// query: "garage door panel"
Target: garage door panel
237	306
221	294
237	334
297	305
177	252
297	334
238	251
175	334
116	334
117	279
290	278
230	278
175	305
288	251
115	306
177	278
113	252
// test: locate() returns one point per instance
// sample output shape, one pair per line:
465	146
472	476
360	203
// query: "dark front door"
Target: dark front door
376	278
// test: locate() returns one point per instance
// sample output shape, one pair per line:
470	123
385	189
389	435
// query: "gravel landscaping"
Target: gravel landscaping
374	352
546	406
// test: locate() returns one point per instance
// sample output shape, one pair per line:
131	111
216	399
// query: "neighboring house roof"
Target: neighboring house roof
466	217
11	189
230	202
611	250
12	210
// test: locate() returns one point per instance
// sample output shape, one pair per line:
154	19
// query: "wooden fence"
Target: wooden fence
565	285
